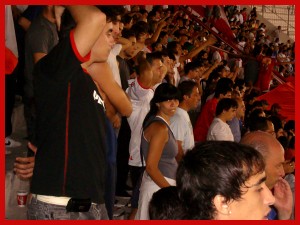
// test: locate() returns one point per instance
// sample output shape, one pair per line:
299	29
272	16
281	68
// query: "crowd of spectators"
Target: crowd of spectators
218	86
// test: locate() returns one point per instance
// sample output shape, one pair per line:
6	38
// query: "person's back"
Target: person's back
204	120
40	39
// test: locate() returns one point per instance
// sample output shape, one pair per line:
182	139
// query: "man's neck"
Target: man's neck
183	106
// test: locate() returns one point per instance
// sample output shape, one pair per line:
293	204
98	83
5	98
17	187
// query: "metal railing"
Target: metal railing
279	15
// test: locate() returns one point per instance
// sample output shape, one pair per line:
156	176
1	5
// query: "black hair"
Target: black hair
171	47
226	104
224	85
191	66
163	92
258	123
150	57
126	19
127	33
186	88
166	205
111	12
140	28
215	168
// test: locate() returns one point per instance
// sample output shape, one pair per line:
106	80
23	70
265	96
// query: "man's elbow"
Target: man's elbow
126	111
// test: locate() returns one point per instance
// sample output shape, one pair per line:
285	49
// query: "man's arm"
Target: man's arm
102	75
23	166
90	22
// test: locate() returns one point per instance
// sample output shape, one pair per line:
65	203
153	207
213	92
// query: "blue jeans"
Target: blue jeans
38	210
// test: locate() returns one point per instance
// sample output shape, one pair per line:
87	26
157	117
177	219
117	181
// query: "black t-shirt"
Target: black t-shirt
71	142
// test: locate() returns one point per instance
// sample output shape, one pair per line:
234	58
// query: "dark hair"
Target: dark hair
224	85
277	122
215	168
143	66
289	125
126	19
186	88
111	12
127	33
258	123
225	104
165	205
150	57
163	92
140	28
154	45
191	66
171	47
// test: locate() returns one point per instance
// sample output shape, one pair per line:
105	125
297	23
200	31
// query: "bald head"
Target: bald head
260	140
272	152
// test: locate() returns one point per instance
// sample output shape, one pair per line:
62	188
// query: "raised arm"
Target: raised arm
211	40
90	22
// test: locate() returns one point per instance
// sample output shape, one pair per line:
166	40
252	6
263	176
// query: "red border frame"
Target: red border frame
119	2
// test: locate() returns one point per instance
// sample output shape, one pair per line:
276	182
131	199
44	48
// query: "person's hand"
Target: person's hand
211	39
162	24
23	166
116	121
283	199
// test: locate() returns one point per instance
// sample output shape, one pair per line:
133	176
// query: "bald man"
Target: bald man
273	154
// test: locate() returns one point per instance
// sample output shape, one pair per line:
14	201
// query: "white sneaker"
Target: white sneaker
10	143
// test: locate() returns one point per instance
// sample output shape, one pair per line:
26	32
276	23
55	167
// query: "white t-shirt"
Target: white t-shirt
182	129
113	63
140	99
219	131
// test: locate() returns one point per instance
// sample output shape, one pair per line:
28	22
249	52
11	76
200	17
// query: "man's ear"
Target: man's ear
221	205
185	97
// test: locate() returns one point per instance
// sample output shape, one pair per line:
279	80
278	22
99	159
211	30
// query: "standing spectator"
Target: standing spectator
273	154
236	124
65	88
40	39
180	123
158	146
219	130
208	111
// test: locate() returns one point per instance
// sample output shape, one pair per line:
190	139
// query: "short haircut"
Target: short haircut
150	57
215	168
224	85
126	19
225	104
165	205
127	33
143	66
258	123
186	88
191	66
111	12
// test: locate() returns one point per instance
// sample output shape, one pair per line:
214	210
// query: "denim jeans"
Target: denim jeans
38	210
